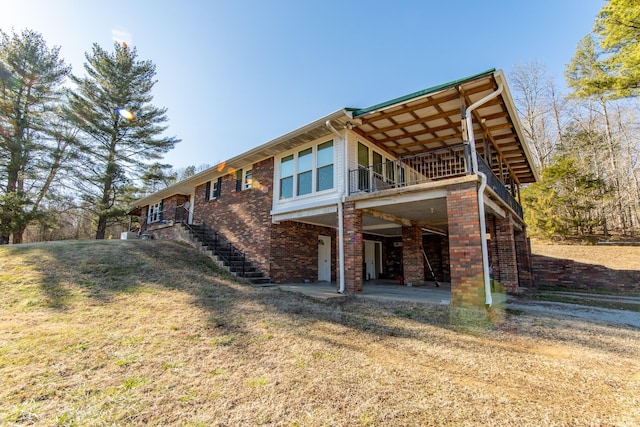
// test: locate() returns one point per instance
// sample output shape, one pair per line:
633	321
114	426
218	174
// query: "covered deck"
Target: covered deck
440	146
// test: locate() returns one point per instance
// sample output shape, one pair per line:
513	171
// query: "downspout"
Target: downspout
340	219
471	138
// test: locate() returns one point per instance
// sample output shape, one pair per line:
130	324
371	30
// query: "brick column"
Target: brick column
492	244
412	261
465	250
507	273
523	253
353	248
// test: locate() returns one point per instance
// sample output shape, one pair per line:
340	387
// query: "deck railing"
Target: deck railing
170	215
499	188
439	164
443	163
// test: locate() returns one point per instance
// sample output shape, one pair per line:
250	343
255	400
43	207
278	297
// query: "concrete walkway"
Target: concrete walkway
382	290
391	290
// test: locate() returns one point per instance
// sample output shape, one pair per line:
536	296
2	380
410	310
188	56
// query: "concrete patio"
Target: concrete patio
382	290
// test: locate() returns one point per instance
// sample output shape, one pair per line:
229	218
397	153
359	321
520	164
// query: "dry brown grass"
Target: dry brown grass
133	333
614	257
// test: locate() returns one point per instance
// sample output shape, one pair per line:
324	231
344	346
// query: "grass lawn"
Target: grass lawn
145	333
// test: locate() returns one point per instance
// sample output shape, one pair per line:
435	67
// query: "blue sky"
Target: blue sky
235	74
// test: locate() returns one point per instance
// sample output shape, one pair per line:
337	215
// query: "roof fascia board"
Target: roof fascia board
513	112
213	172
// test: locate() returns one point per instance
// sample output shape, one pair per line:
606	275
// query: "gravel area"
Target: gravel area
597	314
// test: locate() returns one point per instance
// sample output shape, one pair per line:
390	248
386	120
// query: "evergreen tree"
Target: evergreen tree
122	130
157	177
607	61
618	25
34	144
588	74
564	202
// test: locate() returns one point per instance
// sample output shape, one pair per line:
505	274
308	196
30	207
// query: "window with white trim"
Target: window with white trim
325	166
286	177
212	190
154	213
244	179
307	171
248	180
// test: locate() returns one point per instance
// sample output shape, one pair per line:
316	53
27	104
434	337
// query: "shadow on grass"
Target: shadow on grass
101	270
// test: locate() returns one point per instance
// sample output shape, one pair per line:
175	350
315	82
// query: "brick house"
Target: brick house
360	193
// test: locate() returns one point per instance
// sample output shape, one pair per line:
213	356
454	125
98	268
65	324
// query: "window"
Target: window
244	179
390	172
305	165
286	177
239	180
363	164
307	171
248	179
212	191
377	164
155	212
325	166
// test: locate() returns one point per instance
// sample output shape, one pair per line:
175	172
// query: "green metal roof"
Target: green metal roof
361	111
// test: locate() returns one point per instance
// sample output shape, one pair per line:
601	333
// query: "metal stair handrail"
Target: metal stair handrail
219	242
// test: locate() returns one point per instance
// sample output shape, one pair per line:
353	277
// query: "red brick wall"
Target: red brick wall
575	275
437	249
467	278
507	271
169	206
294	249
242	216
412	258
523	252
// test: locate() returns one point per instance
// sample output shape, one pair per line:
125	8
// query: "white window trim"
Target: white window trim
154	211
212	189
314	172
247	185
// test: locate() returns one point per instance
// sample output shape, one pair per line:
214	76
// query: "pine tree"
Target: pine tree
122	130
618	25
34	141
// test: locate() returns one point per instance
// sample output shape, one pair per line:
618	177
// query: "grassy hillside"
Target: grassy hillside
614	257
145	333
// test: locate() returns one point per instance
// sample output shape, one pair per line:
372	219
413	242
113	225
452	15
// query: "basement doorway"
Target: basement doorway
372	259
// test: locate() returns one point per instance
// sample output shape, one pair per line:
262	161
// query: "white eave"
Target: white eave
306	133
